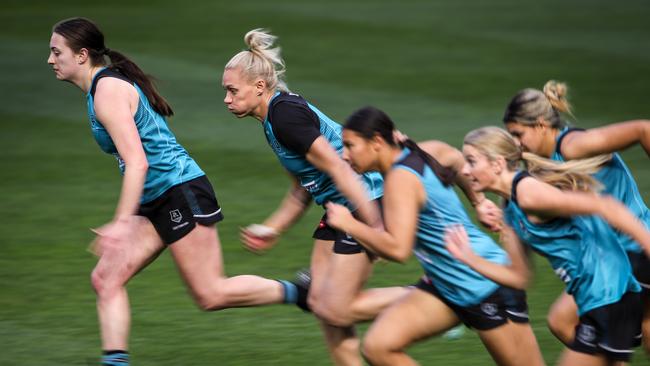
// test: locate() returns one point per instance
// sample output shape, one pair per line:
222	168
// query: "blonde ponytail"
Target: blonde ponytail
529	105
261	60
573	175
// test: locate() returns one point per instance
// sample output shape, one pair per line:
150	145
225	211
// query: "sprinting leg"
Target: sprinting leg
562	318
199	261
512	344
342	342
344	303
573	358
116	266
370	302
416	316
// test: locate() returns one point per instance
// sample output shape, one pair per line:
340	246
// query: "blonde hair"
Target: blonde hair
494	142
261	60
528	105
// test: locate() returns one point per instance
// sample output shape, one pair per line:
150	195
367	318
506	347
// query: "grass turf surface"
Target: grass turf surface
438	68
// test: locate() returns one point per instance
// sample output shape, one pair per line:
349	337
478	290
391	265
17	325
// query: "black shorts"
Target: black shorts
495	310
343	243
641	269
177	211
612	330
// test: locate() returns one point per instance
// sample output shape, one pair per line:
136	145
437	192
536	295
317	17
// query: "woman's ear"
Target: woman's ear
377	141
260	86
542	123
499	165
82	56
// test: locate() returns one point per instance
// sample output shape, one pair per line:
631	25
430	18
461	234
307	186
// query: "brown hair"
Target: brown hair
369	122
83	33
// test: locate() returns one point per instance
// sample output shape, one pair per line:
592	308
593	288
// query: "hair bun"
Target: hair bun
556	93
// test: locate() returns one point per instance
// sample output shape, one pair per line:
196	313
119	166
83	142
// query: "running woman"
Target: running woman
419	202
308	145
535	119
165	201
552	208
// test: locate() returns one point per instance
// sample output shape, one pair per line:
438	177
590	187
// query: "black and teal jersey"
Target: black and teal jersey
291	126
620	184
457	282
169	163
583	250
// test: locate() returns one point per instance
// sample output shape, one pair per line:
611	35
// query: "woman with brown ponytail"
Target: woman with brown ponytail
534	118
165	201
419	203
553	209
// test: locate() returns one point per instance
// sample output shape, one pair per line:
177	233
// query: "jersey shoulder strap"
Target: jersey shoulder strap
107	72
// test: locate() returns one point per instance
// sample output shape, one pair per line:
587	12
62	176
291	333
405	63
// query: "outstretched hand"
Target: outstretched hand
258	238
490	215
112	236
457	243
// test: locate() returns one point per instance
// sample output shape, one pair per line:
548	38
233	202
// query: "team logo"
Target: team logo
310	186
586	333
489	308
175	216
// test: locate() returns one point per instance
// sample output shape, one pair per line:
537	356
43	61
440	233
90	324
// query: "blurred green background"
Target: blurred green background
439	68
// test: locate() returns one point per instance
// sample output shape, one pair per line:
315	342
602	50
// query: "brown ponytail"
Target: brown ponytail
370	121
83	33
128	68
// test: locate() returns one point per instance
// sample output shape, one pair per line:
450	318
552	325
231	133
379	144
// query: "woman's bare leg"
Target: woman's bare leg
116	266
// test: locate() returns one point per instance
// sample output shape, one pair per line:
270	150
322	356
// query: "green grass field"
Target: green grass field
438	68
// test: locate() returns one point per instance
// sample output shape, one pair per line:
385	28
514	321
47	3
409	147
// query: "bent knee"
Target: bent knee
104	284
213	299
374	349
210	301
339	320
336	316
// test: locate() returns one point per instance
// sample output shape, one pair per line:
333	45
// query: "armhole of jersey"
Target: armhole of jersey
414	162
515	182
558	145
408	169
107	73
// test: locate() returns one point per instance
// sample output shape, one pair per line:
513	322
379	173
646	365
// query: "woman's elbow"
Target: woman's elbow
400	256
138	165
522	281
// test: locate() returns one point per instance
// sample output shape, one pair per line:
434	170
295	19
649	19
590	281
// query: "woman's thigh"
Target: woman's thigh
416	316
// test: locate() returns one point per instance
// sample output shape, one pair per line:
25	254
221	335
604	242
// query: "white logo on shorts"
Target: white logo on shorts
586	333
175	216
489	308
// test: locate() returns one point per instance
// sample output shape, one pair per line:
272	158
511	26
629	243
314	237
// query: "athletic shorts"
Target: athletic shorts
343	243
493	311
641	269
177	211
612	330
